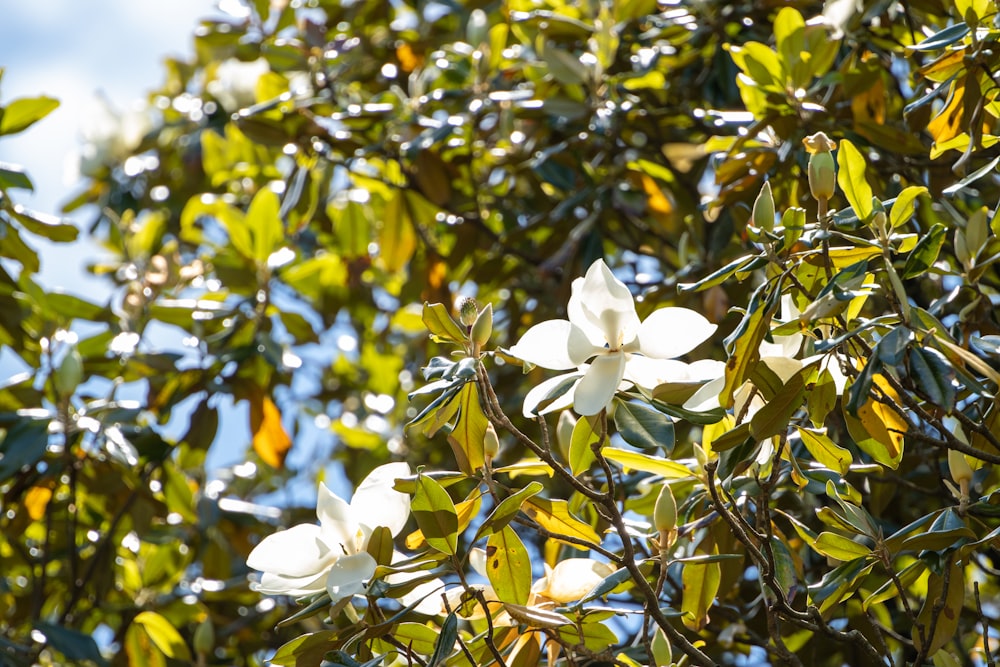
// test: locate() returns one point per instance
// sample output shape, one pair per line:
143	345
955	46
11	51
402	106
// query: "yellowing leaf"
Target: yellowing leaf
948	617
701	585
554	516
36	500
948	123
839	547
825	450
465	510
851	179
467	438
884	424
163	634
270	440
644	462
264	220
581	454
508	566
397	240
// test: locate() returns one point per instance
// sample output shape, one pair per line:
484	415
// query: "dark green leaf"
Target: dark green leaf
925	253
644	427
14	176
934	375
73	644
23	445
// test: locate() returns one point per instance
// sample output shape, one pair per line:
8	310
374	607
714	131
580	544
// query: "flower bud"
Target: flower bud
69	374
491	443
483	326
763	209
477	29
564	432
822	169
665	516
204	637
959	468
468	311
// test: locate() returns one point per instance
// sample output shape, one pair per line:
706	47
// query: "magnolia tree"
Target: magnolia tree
617	333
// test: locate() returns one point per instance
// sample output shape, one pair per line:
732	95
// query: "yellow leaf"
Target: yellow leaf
554	516
947	617
467	438
466	510
658	203
839	547
652	464
948	124
36	500
397	240
879	427
408	60
164	636
270	440
701	584
508	566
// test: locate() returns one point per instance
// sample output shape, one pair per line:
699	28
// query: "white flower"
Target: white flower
604	328
235	83
108	136
307	558
571	579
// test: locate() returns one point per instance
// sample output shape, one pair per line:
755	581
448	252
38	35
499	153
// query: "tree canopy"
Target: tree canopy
609	332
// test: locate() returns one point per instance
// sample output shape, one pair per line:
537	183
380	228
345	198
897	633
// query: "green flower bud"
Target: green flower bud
491	443
822	169
477	30
69	374
204	637
665	516
959	468
564	432
763	209
468	311
483	326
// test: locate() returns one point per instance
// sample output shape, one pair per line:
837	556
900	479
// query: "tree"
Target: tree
795	201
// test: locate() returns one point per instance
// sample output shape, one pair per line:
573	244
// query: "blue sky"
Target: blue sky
73	50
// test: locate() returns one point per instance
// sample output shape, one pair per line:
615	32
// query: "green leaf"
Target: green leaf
774	417
508	566
947	530
822	398
445	642
467	437
164	635
925	253
24	112
441	324
644	427
14	176
264	221
934	376
581	452
397	239
825	450
943	38
745	341
948	617
646	463
23	445
435	514
508	508
701	585
46	226
851	178
71	643
719	276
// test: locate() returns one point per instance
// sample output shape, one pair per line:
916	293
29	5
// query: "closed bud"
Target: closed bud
477	29
491	443
822	169
959	468
69	374
564	432
763	209
665	513
468	311
204	637
483	326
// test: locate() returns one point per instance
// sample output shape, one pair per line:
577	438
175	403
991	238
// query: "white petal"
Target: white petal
477	560
783	367
706	369
376	503
706	398
299	551
540	391
670	332
573	578
340	527
429	595
348	574
275	584
594	392
607	304
650	373
555	344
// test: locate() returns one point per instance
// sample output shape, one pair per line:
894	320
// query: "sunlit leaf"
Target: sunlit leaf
436	515
852	180
20	114
270	440
164	635
508	566
555	517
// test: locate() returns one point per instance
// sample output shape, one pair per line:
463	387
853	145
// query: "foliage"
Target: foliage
323	179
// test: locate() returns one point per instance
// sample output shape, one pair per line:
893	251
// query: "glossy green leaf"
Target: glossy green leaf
934	375
825	450
164	635
902	207
837	546
508	508
555	517
644	427
851	179
925	253
435	514
581	451
775	416
441	324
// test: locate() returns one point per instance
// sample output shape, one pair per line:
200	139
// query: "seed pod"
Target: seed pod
483	326
468	311
822	169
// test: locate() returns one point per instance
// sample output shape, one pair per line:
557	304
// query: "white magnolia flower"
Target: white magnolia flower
307	558
604	329
235	83
108	136
571	579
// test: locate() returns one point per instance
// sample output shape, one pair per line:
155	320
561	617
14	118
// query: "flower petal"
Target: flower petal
555	344
670	332
606	304
706	398
376	503
541	392
650	373
706	369
573	578
340	527
348	574
429	596
594	392
299	551
275	584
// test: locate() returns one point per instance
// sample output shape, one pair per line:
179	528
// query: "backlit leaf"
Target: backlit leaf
467	437
270	440
646	463
436	515
851	178
508	566
164	635
644	427
555	517
22	113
